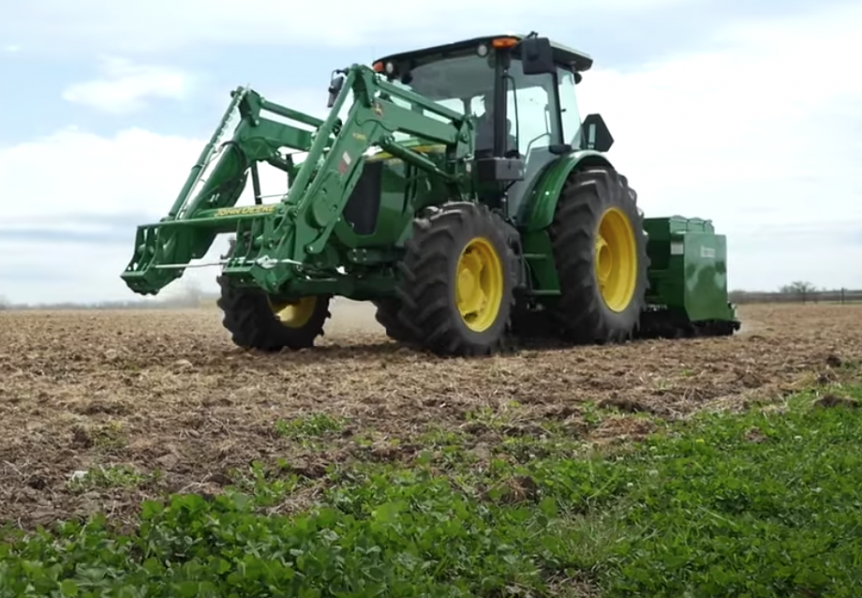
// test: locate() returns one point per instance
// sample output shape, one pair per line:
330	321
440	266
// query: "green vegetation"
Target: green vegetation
765	503
313	425
114	476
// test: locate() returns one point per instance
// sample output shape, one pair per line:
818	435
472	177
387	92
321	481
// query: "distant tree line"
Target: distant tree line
798	292
191	296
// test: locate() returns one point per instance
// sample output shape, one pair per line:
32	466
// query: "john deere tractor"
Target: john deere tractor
455	187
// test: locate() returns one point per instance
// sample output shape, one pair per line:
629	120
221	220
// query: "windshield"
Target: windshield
460	83
465	83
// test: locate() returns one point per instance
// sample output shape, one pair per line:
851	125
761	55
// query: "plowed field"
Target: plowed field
166	396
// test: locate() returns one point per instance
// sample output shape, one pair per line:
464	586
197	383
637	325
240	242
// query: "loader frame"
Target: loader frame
285	245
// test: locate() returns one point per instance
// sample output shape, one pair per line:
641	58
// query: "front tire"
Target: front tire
256	322
387	316
456	281
599	246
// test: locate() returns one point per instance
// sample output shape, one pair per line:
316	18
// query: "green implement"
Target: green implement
461	193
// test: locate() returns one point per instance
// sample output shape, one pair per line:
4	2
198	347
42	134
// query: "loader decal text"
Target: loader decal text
344	163
244	210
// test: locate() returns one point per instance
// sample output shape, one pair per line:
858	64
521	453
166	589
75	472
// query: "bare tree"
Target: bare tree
799	287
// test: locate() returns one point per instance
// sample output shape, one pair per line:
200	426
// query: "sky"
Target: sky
745	113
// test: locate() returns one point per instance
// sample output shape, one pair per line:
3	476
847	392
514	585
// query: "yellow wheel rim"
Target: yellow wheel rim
479	285
616	260
294	314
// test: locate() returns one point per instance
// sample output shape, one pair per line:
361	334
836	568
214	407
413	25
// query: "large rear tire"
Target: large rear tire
599	247
456	281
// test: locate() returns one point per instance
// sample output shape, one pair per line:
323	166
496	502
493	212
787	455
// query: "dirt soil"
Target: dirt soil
167	392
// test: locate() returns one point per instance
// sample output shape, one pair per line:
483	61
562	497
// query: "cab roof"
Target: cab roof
562	54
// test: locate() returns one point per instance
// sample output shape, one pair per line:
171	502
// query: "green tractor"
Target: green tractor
460	192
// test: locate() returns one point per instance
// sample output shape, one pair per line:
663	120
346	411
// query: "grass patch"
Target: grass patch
267	488
110	476
766	503
310	426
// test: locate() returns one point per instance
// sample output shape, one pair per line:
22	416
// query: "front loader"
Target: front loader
461	193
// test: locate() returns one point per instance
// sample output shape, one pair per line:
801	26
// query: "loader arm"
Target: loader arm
278	242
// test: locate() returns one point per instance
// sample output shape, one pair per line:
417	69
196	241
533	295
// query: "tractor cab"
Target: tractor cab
521	89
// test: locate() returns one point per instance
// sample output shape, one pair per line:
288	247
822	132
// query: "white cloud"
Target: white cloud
89	177
161	24
133	170
755	137
126	87
12	49
135	173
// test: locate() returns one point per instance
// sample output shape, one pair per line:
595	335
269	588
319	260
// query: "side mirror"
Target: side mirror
537	56
335	86
595	134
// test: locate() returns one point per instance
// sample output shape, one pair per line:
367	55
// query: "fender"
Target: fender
542	200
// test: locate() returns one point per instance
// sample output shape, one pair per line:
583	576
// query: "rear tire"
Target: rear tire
599	246
456	281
